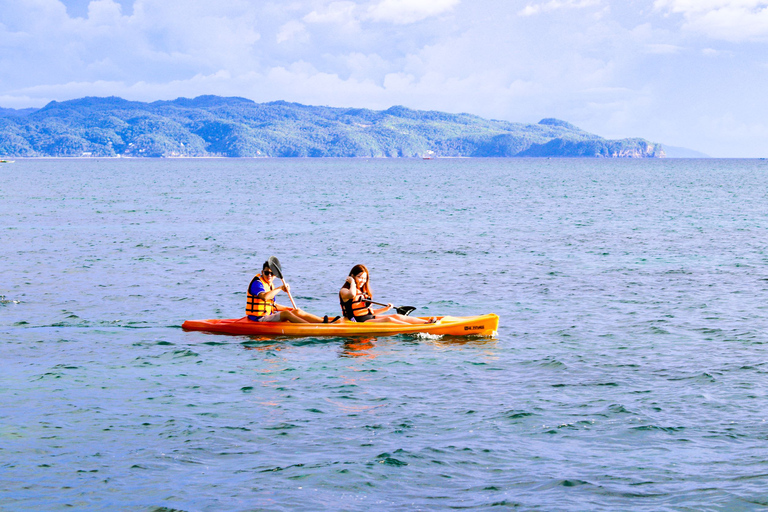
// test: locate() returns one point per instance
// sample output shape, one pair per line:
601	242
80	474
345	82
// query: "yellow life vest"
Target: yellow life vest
255	306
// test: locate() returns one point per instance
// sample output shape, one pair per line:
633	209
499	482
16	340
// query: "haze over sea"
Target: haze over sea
629	371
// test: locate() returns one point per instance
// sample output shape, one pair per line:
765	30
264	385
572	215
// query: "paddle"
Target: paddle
402	310
274	266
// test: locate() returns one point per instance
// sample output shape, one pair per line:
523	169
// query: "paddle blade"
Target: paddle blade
405	310
274	266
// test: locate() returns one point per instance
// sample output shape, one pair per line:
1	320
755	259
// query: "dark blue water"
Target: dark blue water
629	371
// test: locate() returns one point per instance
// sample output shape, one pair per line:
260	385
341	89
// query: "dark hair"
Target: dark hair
265	266
359	269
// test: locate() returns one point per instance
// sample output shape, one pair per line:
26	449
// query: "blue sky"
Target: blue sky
689	73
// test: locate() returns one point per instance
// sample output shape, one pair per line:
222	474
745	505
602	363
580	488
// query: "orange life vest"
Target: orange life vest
255	306
357	307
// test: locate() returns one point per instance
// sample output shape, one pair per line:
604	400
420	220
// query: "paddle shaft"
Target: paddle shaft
277	269
403	310
289	295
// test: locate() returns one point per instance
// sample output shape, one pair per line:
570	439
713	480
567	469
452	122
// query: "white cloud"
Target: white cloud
663	49
733	131
729	20
409	11
336	12
401	12
704	6
553	5
104	12
363	66
170	38
21	101
293	30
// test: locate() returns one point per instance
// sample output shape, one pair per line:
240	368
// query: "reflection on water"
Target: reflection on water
359	347
453	341
364	347
262	343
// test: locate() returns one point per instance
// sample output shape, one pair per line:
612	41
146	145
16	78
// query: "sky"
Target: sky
687	73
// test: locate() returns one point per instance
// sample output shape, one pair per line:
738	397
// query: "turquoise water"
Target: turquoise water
629	371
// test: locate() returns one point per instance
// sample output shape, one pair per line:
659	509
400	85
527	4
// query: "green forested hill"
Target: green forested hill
237	127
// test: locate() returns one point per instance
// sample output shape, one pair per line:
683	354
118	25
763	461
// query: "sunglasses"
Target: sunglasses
268	273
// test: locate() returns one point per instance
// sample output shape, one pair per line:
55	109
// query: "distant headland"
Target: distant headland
213	126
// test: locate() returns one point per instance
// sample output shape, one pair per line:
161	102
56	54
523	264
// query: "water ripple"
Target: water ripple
628	372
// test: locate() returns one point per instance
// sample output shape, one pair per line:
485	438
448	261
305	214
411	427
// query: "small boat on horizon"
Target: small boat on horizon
7	161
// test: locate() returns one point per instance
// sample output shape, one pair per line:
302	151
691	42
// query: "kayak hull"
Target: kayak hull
484	325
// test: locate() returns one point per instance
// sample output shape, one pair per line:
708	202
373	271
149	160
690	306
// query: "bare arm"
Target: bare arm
383	310
349	290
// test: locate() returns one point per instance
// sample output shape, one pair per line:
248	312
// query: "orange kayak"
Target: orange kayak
484	325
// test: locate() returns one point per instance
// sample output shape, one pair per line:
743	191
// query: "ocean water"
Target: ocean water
629	371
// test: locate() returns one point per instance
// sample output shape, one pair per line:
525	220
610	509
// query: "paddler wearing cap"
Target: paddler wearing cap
261	306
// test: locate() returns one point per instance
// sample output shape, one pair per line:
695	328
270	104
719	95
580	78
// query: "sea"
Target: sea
629	371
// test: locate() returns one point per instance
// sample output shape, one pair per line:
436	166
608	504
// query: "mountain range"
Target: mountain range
209	126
